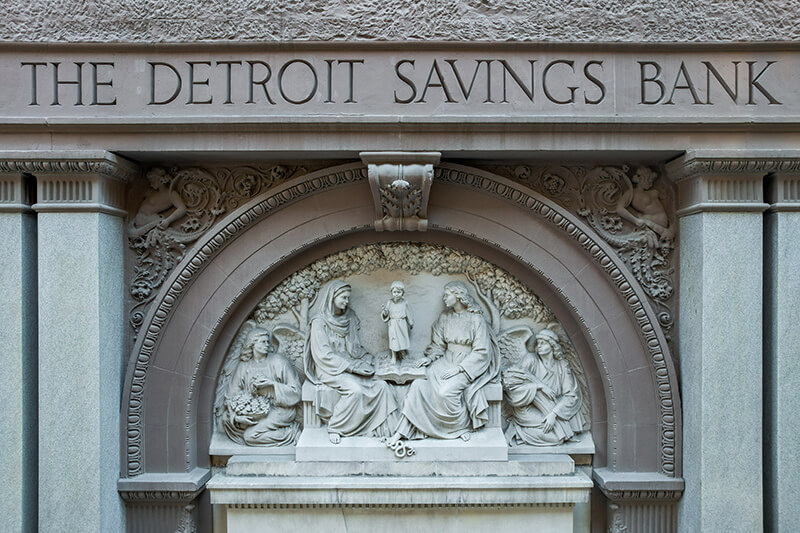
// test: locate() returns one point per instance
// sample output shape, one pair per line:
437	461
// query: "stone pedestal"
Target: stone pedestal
81	339
255	495
720	339
488	444
18	388
781	343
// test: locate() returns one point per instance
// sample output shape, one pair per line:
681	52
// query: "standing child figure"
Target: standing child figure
398	317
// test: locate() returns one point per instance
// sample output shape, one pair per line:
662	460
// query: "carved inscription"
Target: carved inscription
372	82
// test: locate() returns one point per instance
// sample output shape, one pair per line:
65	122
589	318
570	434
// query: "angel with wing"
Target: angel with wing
543	395
263	394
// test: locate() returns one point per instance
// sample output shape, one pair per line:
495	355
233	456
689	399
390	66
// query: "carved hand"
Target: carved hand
450	372
549	422
424	362
241	420
362	368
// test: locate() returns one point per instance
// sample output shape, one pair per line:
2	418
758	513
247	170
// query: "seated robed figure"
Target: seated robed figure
461	359
543	396
263	395
334	358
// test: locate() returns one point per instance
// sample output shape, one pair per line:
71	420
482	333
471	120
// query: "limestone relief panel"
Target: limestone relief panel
401	342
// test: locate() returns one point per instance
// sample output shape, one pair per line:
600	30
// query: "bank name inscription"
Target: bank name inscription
402	82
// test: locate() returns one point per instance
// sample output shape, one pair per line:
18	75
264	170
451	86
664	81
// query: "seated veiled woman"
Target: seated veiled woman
461	359
543	395
262	399
335	357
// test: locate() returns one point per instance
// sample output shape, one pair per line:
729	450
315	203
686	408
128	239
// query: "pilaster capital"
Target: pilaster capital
401	184
73	181
783	191
728	180
17	192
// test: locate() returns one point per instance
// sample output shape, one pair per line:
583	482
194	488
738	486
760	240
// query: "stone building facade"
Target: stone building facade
633	166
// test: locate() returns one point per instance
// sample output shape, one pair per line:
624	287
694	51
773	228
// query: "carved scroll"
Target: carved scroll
400	183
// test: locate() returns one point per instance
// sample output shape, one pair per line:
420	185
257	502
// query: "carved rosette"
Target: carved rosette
401	184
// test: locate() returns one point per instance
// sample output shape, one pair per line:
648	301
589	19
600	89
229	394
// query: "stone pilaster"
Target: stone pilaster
81	335
721	210
18	388
781	343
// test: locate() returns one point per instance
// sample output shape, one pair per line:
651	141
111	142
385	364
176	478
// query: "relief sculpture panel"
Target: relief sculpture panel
401	342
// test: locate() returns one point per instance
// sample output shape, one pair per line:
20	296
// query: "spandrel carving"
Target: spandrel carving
260	396
181	204
628	207
543	396
331	320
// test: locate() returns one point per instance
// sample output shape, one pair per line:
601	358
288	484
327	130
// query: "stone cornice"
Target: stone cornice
729	181
74	181
637	486
37	163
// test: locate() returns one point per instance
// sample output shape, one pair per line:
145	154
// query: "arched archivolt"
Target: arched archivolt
170	383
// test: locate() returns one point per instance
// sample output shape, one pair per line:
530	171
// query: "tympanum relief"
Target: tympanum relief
409	363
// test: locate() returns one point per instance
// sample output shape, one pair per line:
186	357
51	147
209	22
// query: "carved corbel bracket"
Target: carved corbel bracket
401	184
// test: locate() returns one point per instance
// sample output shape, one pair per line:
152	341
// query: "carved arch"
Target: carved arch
171	376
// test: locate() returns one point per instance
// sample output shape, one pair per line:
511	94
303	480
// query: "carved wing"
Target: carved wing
229	366
511	343
577	369
292	344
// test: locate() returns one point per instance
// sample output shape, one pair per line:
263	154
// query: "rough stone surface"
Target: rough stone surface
720	347
782	371
645	21
80	365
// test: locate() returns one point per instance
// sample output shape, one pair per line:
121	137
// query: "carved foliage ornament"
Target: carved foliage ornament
180	205
400	183
628	207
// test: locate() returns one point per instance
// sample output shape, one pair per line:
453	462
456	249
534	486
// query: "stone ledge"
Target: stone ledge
488	444
543	465
400	491
632	486
164	486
